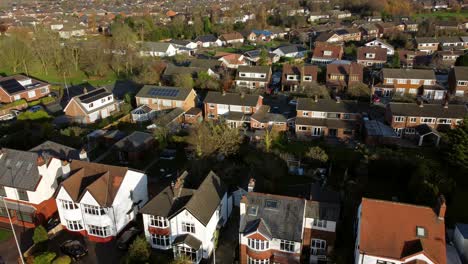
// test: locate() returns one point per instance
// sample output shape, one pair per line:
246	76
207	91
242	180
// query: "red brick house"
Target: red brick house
325	53
293	76
342	75
458	81
17	87
372	56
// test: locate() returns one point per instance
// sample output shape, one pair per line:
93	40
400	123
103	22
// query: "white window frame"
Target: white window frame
188	227
93	210
401	81
399	119
160	240
413	119
287	246
258	245
99	231
317	245
68	205
415	81
257	261
319	223
75	225
427	82
447	121
389	80
158	221
427	120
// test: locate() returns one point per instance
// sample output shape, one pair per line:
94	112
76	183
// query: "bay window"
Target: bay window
158	221
68	205
94	210
257	261
100	231
74	225
160	240
188	227
258	244
286	245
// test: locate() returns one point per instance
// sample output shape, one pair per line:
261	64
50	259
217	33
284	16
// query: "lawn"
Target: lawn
443	15
5	234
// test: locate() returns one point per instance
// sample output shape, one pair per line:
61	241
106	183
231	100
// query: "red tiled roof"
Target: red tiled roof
336	51
380	53
388	229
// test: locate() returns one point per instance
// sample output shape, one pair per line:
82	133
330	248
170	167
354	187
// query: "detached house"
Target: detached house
427	45
91	106
391	232
187	220
157	49
326	53
294	76
381	44
28	181
233	61
159	98
372	56
343	75
98	201
291	51
287	230
253	77
17	87
207	41
458	81
231	38
337	119
235	109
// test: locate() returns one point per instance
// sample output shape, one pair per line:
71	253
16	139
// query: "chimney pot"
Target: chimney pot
40	160
441	206
251	186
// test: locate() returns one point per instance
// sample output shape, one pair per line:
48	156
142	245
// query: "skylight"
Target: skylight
420	231
252	210
272	204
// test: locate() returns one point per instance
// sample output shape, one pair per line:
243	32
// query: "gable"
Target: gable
88	198
63	194
257	235
73	108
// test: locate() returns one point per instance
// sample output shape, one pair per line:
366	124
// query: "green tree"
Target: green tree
40	235
45	258
462	60
139	251
210	137
396	60
62	260
183	80
207	25
457	145
359	90
317	154
205	81
147	75
181	260
18	55
313	89
263	58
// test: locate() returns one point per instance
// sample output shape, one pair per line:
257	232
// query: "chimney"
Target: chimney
40	161
65	169
83	155
243	205
251	185
441	207
445	104
85	91
338	99
315	98
421	104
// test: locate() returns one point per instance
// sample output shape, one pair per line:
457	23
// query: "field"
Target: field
443	15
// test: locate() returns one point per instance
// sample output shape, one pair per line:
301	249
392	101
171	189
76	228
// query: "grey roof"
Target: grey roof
52	149
328	105
291	49
188	240
134	142
428	110
21	207
463	228
147	92
206	38
409	74
205	63
155	46
264	116
461	73
170	117
231	99
427	40
283	222
324	122
234	116
19	169
425	129
254	69
322	210
377	128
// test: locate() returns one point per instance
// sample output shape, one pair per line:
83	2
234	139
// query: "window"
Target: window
427	120
319	223
68	205
166	103
247	109
410	131
333	115
412	91
31	94
302	128
444	121
178	103
414	81
427	82
287	245
25	217
2	191
190	253
94	210
22	195
389	80
308	78
399	119
188	227
370	55
348	131
401	81
384	262
158	221
212	106
109	98
420	231
44	90
257	261
318	247
258	244
272	204
327	53
74	225
160	240
242	74
103	100
90	105
346	116
144	101
412	119
304	113
463	83
101	231
319	114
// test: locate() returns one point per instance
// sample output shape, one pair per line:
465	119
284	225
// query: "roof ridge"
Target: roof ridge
397	203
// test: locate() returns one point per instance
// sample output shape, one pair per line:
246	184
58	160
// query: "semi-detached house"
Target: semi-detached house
253	77
186	220
458	81
98	200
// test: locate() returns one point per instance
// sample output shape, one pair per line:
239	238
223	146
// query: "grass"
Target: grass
443	15
5	234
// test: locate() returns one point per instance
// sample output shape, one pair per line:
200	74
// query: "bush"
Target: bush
40	235
41	114
62	260
139	251
44	258
13	104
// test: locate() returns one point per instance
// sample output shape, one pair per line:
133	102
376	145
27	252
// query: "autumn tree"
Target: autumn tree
359	90
210	137
313	89
183	80
317	154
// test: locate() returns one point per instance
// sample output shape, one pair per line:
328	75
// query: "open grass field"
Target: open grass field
443	15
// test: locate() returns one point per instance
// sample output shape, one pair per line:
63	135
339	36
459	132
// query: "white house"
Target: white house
291	51
99	200
460	239
207	41
184	46
187	220
157	49
28	181
381	44
391	232
253	77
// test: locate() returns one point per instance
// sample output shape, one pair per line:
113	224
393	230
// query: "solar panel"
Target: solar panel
163	92
11	86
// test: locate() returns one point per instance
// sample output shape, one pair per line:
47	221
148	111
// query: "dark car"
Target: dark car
51	223
127	238
168	154
74	248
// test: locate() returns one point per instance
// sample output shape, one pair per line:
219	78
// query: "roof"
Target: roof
329	105
168	118
427	40
89	97
101	180
19	169
326	122
201	202
428	110
188	240
291	49
388	229
231	99
461	73
289	69
345	68
134	142
155	46
463	228
380	53
379	129
53	149
254	69
206	38
285	221
263	115
164	92
335	51
19	83
231	36
408	74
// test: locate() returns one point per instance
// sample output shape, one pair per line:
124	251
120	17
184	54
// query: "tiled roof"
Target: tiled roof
329	105
380	53
428	110
231	99
408	74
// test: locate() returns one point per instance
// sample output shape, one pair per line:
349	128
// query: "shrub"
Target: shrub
139	251
13	104
62	260
40	235
41	114
44	258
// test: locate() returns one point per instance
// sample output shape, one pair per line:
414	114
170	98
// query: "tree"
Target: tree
396	60
62	260
317	154
457	145
263	60
210	137
147	75
462	60
45	258
139	251
313	89
183	80
181	260
40	235
18	55
359	90
268	139
207	25
205	81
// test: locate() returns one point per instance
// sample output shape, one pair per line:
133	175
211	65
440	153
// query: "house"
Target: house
372	56
411	120
326	53
187	220
291	51
260	35
99	201
233	61
348	34
193	116
392	232
17	87
451	43
411	26
339	14
184	46
443	59
235	109
460	239
447	26
329	118
134	146
71	30
341	75
388	28
91	106
314	16
410	59
160	98
231	38
427	44
263	119
458	81
369	31
381	44
207	41
157	49
171	72
285	229
253	56
294	76
253	77
28	181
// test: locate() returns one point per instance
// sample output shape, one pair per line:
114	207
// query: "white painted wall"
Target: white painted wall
99	103
331	225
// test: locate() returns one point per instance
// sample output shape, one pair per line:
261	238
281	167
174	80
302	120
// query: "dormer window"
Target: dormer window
327	53
271	204
158	221
259	245
90	105
252	210
420	231
370	55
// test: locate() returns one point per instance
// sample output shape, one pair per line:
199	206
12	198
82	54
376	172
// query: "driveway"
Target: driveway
8	249
228	239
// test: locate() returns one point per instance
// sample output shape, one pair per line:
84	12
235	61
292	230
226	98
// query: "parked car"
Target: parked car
293	102
74	248
168	154
127	238
51	223
35	108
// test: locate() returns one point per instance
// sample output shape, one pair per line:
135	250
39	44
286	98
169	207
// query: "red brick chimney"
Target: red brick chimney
441	207
40	160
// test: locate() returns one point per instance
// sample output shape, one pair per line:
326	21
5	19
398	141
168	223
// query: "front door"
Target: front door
387	92
316	131
332	132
